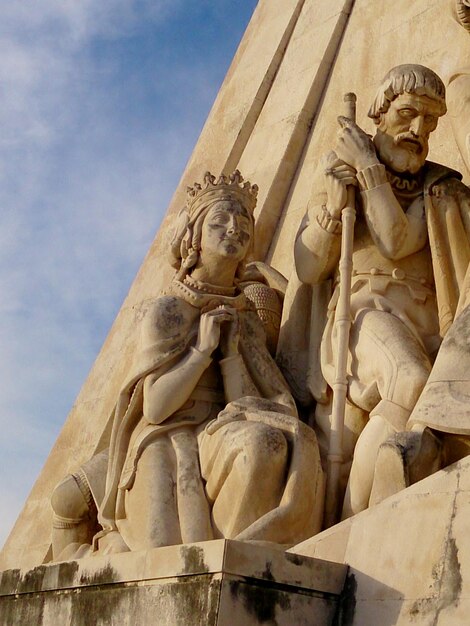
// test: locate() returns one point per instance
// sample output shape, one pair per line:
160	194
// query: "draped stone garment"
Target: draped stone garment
447	211
458	87
169	331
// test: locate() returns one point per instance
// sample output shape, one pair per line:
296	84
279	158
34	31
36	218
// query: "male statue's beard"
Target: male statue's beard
403	153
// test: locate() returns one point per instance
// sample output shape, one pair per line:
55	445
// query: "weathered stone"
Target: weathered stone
274	117
396	254
409	556
216	583
203	412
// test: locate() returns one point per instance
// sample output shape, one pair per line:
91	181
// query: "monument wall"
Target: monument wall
273	118
379	35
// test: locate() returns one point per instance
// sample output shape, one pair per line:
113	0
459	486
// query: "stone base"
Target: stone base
207	584
409	556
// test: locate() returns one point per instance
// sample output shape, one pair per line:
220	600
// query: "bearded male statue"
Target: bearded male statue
205	439
411	251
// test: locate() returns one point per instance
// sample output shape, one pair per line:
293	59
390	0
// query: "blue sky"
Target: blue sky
101	104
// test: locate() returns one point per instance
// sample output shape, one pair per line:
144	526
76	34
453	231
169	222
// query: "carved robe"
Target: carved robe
201	424
447	220
458	88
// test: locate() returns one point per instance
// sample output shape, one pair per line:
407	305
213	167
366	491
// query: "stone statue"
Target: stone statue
444	404
205	442
458	90
411	251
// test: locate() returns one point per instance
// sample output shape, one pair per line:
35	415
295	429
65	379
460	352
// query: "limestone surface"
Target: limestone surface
276	115
408	556
215	583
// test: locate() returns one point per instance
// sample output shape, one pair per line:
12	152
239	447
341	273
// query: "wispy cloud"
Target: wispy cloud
99	110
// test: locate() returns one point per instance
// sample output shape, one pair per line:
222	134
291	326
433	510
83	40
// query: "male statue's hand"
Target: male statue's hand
209	329
338	176
354	146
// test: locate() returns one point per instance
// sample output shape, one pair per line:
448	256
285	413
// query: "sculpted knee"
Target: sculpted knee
265	448
405	381
68	501
413	382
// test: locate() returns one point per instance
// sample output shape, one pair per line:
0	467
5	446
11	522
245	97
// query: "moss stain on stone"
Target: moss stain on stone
67	572
32	580
192	600
193	557
106	575
449	575
267	574
260	601
9	581
451	587
296	559
347	603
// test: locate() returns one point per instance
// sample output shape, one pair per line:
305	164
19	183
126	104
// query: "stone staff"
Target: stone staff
343	327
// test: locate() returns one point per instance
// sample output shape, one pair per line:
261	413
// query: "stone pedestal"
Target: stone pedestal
409	557
213	583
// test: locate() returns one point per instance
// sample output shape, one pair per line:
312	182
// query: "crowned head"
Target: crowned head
227	204
232	188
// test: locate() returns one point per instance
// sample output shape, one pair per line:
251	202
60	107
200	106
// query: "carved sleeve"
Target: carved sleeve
318	246
168	388
263	372
237	380
165	393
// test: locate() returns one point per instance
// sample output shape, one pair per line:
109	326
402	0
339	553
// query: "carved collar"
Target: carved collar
215	290
405	183
203	295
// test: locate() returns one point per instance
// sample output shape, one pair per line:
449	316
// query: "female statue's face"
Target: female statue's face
227	231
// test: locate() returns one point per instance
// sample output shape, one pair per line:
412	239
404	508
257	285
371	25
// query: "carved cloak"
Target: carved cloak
275	406
447	206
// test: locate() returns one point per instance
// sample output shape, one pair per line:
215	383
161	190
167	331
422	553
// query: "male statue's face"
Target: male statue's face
227	231
403	132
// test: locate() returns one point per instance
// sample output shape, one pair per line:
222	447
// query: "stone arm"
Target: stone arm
165	393
317	246
395	233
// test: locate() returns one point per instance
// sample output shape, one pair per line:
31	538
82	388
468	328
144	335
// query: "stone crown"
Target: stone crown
231	187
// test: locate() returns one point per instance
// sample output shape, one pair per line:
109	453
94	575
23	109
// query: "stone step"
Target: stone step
215	583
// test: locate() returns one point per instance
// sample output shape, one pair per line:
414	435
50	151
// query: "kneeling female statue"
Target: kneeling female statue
205	442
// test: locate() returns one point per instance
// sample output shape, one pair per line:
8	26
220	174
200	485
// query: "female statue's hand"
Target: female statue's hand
209	329
230	334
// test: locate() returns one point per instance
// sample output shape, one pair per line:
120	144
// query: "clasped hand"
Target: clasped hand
219	327
354	151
